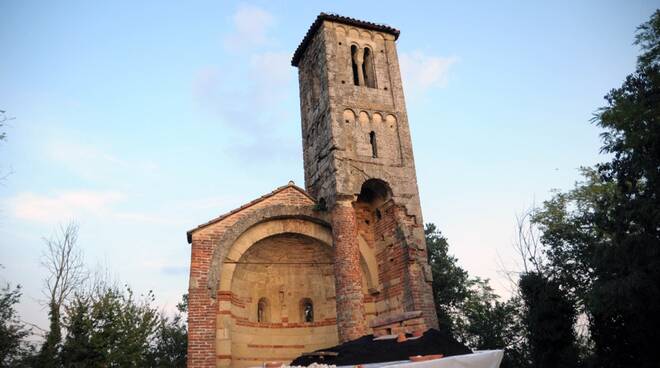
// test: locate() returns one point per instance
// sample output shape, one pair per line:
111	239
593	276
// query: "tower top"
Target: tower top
297	55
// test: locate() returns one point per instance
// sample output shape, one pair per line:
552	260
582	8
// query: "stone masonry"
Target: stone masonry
302	269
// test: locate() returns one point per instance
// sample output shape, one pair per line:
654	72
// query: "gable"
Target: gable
289	194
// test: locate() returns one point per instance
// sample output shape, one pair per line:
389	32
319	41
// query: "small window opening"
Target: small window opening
372	141
378	214
354	51
368	69
321	205
307	310
263	311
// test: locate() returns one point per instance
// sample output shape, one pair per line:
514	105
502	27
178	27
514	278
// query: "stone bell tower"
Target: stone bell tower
359	165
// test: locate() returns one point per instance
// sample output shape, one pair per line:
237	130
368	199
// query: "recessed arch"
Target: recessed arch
263	310
349	116
371	263
268	229
239	229
363	117
375	191
366	35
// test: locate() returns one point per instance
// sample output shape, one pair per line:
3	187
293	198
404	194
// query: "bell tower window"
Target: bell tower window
355	68
368	68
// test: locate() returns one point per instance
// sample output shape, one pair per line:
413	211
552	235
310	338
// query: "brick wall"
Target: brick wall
203	309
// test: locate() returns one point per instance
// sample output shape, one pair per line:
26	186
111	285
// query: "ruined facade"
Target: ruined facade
302	269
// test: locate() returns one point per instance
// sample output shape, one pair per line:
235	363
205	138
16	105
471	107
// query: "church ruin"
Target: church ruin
303	269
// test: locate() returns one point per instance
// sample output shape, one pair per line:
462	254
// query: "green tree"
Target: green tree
603	237
549	318
450	281
111	327
14	349
170	346
77	349
468	307
123	327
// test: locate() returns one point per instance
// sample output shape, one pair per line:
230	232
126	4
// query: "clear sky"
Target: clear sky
141	120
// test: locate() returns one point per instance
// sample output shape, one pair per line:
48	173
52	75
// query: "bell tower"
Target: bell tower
359	165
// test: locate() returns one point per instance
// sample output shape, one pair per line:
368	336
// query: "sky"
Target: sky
141	120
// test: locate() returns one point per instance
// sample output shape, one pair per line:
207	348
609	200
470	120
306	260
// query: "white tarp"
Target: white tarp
479	359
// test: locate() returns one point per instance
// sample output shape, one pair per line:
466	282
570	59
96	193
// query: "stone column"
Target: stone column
348	280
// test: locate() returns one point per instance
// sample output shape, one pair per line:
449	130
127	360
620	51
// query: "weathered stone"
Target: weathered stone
298	270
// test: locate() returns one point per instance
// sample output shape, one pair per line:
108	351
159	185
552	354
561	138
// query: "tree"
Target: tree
108	326
450	281
13	347
550	319
66	273
468	307
77	348
170	347
124	327
3	120
603	237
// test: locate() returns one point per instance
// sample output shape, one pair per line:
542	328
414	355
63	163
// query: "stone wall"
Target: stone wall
359	221
282	271
356	133
208	330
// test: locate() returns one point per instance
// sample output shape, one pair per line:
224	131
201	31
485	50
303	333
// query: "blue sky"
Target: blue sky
140	120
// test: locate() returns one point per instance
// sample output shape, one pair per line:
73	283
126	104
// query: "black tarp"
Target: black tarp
367	350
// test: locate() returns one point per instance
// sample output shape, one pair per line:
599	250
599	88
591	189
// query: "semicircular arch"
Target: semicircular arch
265	230
270	213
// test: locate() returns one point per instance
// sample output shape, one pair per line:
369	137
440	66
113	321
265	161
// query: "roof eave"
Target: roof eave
190	232
297	55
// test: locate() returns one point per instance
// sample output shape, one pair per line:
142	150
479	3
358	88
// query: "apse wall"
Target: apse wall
275	280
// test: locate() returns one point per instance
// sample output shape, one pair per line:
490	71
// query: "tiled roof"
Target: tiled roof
339	19
249	204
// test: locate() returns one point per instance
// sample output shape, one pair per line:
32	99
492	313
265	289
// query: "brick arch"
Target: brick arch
266	229
275	212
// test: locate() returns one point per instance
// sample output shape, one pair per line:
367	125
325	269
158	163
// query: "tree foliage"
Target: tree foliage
549	318
13	333
171	346
450	281
111	327
469	308
603	237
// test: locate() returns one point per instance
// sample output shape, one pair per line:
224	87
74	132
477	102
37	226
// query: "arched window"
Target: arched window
307	310
354	56
263	311
368	68
372	141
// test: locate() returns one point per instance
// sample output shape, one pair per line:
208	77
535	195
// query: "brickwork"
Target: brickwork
410	325
355	131
348	280
282	270
351	244
207	336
